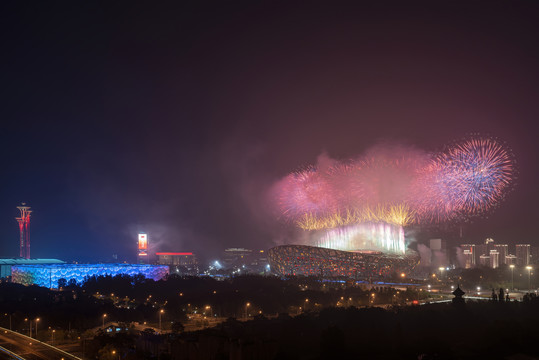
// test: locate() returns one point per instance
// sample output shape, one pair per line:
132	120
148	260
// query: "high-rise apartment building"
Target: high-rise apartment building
494	259
439	256
523	254
489	242
469	255
503	249
510	259
484	260
481	249
534	255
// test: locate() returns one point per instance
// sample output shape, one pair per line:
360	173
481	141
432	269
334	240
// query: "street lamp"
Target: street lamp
441	268
529	268
104	316
305	306
30	329
512	267
208	307
160	313
37	320
6	314
52	336
246	309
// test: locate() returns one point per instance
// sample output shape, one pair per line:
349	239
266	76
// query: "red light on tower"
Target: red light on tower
24	229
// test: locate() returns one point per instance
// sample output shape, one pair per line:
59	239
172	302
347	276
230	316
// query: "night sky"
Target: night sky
174	118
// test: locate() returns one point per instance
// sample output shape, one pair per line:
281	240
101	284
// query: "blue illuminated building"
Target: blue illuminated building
6	264
48	275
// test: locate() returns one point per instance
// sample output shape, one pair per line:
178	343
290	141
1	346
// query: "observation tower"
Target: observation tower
24	229
143	248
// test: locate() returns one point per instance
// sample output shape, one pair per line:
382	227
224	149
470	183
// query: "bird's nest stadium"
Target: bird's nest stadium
303	260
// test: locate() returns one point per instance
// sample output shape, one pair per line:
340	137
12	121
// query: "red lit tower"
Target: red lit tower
143	248
24	228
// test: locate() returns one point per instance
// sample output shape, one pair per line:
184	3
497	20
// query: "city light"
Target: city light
512	276
246	309
303	153
529	268
160	313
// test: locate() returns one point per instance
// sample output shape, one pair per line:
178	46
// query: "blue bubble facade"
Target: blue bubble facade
48	275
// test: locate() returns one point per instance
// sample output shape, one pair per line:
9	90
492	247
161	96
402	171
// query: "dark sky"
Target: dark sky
174	117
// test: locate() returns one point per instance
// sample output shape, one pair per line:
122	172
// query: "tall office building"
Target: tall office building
523	254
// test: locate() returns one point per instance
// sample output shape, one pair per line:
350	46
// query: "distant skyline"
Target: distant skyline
175	119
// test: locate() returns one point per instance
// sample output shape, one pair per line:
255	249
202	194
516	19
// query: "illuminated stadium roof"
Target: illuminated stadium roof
329	263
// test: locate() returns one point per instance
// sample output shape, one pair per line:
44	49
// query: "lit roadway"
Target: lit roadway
4	355
29	349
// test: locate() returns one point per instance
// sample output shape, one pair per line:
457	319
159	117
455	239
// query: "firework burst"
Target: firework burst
477	173
400	186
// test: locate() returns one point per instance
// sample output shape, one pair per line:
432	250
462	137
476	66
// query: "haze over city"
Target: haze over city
269	180
177	119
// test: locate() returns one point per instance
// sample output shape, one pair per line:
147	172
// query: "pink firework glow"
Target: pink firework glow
467	179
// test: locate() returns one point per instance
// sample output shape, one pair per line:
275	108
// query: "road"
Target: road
30	349
6	355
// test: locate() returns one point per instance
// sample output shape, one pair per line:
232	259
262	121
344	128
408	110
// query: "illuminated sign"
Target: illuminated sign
142	241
